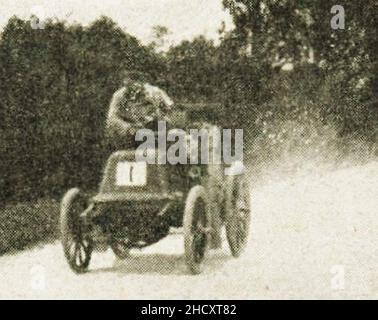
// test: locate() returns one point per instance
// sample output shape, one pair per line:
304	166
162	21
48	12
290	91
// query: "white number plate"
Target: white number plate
131	173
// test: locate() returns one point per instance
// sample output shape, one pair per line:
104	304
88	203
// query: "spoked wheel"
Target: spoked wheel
238	211
195	229
77	247
121	248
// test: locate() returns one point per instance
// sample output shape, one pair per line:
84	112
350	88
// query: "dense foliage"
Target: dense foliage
25	224
56	83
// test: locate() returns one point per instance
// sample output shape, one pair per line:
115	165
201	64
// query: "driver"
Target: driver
132	107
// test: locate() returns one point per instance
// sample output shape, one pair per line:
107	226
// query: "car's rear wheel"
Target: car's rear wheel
238	210
77	247
195	229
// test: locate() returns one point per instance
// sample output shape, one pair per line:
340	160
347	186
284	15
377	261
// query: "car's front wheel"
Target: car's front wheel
77	247
195	228
238	213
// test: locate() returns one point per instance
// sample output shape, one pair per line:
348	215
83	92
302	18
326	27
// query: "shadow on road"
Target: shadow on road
163	264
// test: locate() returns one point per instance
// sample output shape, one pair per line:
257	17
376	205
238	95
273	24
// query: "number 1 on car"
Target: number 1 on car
131	173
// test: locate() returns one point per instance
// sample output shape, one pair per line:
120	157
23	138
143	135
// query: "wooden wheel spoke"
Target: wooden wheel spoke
80	255
86	245
76	252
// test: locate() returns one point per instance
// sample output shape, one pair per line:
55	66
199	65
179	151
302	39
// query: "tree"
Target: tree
300	32
159	34
192	72
296	31
56	85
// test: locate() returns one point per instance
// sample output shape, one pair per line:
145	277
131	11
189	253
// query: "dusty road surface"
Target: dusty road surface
314	236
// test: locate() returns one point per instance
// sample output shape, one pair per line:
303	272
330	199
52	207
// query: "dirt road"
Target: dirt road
314	236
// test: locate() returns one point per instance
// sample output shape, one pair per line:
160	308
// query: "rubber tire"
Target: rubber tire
195	194
233	182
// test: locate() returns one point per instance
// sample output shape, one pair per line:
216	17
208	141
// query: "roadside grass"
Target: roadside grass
26	224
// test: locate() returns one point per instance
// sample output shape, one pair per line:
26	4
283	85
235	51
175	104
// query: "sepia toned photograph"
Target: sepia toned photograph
188	150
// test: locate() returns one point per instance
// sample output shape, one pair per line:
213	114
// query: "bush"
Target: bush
22	225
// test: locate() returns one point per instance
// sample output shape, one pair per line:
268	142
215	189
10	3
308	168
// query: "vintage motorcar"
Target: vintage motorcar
138	203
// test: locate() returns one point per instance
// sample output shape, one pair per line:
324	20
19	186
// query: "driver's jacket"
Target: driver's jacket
131	107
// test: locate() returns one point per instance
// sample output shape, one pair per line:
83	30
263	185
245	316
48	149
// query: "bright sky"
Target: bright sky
184	18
